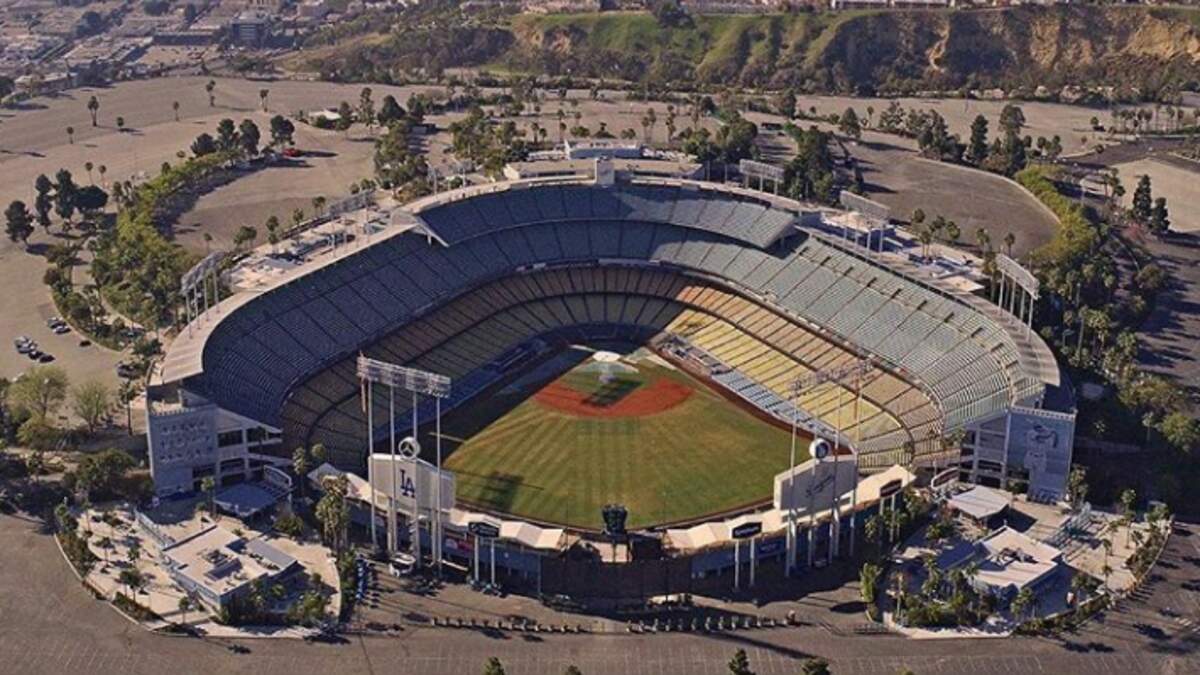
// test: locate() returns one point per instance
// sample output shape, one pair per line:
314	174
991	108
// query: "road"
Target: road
49	624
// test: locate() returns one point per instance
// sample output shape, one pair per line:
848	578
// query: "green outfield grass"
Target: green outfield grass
705	455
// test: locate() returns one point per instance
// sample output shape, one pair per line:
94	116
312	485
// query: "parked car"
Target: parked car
61	329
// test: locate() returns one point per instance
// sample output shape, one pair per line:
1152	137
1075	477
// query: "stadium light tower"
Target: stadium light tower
848	375
418	383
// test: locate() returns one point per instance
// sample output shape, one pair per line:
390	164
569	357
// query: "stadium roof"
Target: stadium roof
250	351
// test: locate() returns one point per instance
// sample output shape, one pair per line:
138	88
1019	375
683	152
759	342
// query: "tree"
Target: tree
1022	603
740	663
100	472
333	513
1009	240
227	135
18	222
366	108
1143	201
850	125
175	109
71	135
91	402
210	88
977	147
389	111
185	604
209	487
815	666
244	235
493	667
64	194
93	106
39	393
90	200
1012	120
785	104
282	131
120	124
301	466
345	116
204	145
262	96
572	670
1181	430
248	137
1159	222
868	579
1128	509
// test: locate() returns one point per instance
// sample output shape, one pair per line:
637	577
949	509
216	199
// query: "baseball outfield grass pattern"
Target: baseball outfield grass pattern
641	434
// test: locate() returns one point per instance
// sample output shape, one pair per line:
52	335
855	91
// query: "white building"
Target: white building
216	565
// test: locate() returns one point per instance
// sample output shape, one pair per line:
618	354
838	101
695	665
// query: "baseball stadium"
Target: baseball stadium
655	343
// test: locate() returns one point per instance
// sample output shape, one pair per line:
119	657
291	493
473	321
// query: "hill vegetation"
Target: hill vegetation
1142	51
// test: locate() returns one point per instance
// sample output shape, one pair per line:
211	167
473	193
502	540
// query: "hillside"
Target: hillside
862	52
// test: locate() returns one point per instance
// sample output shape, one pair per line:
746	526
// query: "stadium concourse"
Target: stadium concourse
752	294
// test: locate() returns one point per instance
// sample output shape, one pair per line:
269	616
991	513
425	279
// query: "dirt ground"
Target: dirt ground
1071	123
1178	180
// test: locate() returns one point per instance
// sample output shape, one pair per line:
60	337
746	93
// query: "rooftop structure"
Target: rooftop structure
216	565
981	502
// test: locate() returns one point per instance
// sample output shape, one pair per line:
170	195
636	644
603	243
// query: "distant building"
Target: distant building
249	29
598	147
313	9
217	565
560	6
37	84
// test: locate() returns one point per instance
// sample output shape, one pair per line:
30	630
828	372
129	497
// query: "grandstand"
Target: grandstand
732	276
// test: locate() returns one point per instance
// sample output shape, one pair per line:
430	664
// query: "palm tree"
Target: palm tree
175	107
88	166
209	88
868	578
262	96
1009	240
185	603
208	486
71	135
1128	501
103	170
93	106
1023	603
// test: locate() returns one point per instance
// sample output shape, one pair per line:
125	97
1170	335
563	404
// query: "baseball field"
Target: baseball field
580	431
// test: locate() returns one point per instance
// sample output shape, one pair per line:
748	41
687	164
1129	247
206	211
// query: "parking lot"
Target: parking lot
48	624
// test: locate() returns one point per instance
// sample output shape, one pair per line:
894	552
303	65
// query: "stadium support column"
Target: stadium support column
737	564
392	517
835	516
416	512
790	557
370	471
476	552
753	559
437	489
857	441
